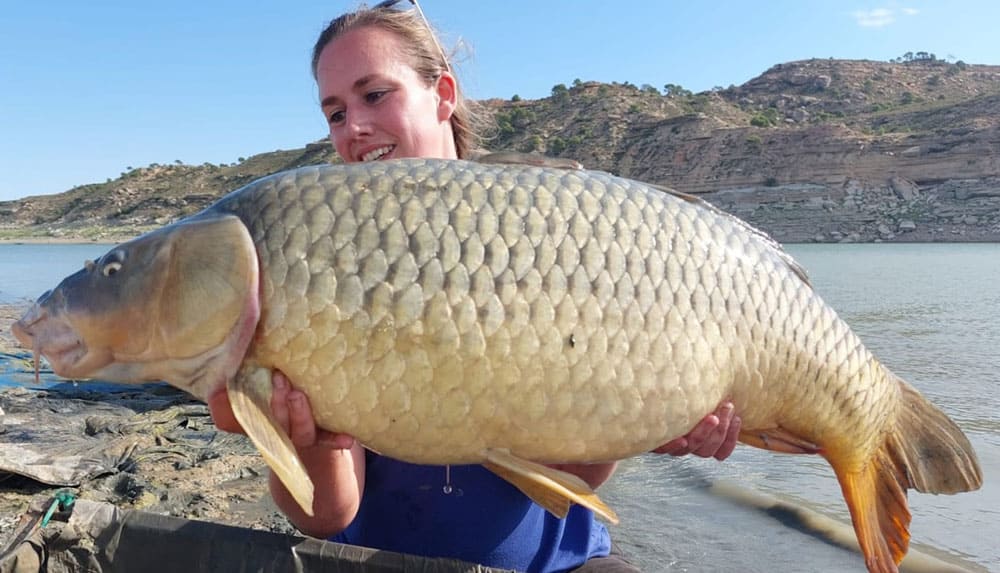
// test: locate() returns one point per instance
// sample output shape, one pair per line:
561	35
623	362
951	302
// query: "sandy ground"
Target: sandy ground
8	314
158	449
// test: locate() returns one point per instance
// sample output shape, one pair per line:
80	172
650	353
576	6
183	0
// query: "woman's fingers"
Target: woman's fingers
280	389
334	441
732	437
222	412
709	440
715	436
675	447
291	410
302	426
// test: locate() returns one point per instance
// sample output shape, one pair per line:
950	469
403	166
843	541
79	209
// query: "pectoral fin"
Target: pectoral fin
250	396
550	488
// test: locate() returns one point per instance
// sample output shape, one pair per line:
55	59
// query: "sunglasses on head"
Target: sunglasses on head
389	4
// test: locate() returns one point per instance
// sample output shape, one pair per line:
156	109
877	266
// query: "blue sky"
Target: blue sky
88	89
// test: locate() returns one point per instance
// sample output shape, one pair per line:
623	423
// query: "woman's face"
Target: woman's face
376	105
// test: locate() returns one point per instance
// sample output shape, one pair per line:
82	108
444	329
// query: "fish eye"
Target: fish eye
111	268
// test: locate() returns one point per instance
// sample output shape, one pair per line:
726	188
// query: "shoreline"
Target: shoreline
62	241
9	312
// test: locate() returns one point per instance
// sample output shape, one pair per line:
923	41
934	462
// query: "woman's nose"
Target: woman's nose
359	123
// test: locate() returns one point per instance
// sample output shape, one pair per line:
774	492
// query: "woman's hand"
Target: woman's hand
334	462
291	410
715	436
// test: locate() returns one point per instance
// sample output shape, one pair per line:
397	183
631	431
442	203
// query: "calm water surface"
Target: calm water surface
26	271
929	312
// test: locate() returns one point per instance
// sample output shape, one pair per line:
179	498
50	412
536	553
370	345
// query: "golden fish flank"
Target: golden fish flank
470	292
452	312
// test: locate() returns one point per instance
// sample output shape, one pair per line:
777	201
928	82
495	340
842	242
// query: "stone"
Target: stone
822	82
904	188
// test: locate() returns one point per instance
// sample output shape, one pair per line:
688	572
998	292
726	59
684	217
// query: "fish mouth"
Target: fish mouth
49	337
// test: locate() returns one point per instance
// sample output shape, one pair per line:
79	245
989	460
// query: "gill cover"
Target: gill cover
177	304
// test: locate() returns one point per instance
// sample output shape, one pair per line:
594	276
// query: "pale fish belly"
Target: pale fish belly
563	315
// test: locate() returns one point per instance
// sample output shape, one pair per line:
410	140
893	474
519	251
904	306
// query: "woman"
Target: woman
387	92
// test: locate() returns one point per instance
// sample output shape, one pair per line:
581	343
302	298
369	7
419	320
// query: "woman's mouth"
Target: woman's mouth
378	153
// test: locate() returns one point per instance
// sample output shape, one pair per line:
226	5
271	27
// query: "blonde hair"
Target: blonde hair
422	50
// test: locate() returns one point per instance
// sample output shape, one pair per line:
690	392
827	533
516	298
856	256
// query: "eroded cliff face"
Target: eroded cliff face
817	150
829	183
859	210
825	150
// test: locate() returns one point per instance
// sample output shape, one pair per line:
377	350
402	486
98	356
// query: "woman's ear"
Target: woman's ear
447	92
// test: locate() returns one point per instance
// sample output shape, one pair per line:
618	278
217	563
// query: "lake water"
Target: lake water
26	271
929	312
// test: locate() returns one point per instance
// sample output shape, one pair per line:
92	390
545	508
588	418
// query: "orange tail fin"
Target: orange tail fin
923	450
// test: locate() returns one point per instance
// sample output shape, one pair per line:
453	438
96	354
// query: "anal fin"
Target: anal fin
250	396
552	489
778	439
876	498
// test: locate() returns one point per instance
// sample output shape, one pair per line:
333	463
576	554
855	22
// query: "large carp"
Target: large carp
447	312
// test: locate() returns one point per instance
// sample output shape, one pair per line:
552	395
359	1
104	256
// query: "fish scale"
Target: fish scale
450	312
500	278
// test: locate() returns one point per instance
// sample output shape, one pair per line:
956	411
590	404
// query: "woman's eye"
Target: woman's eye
373	97
111	268
336	117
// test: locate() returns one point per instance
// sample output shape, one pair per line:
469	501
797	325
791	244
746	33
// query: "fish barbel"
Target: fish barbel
448	312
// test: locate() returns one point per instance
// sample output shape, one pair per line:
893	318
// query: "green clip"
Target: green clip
62	500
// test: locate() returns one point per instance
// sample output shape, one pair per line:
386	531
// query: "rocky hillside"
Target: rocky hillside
817	150
143	198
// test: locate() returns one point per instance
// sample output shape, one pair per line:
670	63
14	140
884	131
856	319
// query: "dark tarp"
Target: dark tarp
100	538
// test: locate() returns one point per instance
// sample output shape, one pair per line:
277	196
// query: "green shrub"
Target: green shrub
675	90
533	143
556	145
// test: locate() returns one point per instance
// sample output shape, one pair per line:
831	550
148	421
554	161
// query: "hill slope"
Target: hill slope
816	150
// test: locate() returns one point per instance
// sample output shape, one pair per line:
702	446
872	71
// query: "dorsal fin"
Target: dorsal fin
792	264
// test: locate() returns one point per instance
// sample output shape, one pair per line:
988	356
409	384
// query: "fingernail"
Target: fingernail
279	382
335	441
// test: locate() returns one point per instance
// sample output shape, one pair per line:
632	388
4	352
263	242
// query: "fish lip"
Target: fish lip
22	334
22	327
50	337
58	351
64	355
25	328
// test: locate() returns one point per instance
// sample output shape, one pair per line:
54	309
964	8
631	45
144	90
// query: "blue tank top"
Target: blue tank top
482	520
